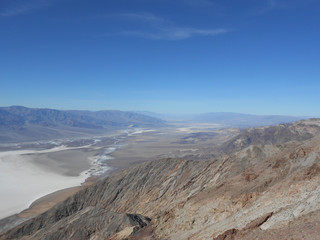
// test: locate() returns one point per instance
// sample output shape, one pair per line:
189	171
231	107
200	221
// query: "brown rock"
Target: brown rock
227	235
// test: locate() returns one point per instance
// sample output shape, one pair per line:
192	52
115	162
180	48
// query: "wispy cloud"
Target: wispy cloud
289	4
174	33
263	6
141	17
269	5
159	28
18	7
201	3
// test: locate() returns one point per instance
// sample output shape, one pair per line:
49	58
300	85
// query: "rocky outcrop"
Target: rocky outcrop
88	223
263	188
273	135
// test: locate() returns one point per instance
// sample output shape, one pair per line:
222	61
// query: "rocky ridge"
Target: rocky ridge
265	188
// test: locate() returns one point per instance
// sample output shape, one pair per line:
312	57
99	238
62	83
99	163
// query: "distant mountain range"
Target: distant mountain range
227	119
19	123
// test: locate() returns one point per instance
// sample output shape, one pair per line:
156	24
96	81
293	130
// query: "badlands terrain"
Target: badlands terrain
260	183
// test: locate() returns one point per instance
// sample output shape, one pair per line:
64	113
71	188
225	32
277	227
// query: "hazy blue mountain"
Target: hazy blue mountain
19	123
244	120
227	119
9	119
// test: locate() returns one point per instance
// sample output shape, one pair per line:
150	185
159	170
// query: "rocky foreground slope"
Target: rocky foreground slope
267	187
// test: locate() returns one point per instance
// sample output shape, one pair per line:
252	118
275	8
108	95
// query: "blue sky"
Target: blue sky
170	56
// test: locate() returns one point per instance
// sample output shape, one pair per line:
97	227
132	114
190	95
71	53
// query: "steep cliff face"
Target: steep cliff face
261	191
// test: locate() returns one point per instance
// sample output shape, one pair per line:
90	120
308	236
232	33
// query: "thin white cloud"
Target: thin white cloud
192	3
142	17
18	7
289	4
158	28
200	3
263	7
270	5
175	33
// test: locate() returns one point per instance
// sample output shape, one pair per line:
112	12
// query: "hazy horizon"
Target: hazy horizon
160	113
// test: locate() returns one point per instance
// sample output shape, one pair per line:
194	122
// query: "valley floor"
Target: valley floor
34	173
